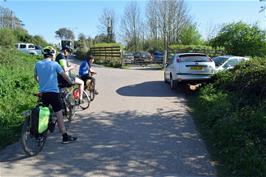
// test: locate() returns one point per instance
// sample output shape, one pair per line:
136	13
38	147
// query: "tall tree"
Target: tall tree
8	19
241	39
166	19
190	35
152	18
65	34
107	24
130	25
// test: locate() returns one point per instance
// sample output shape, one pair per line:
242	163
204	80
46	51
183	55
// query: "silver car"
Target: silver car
227	62
128	58
188	67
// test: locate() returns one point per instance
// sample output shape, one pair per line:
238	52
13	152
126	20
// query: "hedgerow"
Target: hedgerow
16	87
231	114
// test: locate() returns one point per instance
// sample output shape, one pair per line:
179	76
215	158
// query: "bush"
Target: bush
241	39
7	38
17	84
197	48
231	114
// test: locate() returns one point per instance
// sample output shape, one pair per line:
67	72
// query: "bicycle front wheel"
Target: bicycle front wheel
86	100
30	144
70	107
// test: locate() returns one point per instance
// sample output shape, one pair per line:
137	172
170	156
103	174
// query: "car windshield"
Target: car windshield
219	60
38	47
194	58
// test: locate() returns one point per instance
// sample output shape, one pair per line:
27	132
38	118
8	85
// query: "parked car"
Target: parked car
142	57
158	57
28	48
188	67
128	57
227	62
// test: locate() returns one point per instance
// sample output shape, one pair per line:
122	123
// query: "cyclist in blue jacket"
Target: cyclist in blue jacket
86	72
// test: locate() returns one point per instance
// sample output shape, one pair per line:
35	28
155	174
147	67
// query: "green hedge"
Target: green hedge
231	114
16	87
197	48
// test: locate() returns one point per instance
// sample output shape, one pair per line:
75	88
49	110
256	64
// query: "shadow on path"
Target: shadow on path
147	89
126	144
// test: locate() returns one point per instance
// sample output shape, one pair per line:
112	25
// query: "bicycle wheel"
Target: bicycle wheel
86	100
70	107
30	144
89	86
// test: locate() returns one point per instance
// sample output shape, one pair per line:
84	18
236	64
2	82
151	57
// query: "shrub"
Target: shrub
7	38
197	48
231	113
16	87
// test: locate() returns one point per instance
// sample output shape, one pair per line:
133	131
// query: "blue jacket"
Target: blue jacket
84	68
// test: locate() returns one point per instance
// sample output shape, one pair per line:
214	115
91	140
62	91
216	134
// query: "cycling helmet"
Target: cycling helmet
49	50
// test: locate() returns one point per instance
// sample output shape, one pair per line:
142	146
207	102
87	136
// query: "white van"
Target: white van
28	48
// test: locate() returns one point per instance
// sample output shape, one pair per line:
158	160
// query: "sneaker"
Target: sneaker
96	92
51	126
68	139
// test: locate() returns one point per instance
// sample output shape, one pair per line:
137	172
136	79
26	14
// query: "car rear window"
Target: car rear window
194	58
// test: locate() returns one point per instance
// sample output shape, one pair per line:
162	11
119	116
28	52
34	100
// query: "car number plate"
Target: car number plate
196	67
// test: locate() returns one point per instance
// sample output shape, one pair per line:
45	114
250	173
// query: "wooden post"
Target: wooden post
165	59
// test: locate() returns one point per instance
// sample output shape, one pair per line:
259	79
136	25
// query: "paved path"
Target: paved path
136	126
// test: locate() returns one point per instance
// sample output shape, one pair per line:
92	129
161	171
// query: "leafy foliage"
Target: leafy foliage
64	33
232	117
16	87
241	39
7	38
190	35
197	48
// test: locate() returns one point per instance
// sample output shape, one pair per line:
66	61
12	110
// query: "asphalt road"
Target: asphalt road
136	126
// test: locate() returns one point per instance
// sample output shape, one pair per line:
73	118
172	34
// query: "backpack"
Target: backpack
40	116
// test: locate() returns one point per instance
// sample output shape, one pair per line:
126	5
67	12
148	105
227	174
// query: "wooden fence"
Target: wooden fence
106	53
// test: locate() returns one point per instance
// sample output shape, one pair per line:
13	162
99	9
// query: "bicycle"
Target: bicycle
32	144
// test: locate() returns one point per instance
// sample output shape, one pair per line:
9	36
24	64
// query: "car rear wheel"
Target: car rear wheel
173	83
165	80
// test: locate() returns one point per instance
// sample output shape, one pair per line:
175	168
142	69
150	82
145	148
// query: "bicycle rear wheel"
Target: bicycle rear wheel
91	89
92	94
30	144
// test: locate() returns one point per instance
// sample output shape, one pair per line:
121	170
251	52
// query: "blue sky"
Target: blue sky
45	17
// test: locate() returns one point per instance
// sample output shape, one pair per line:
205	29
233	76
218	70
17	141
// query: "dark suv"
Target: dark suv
142	57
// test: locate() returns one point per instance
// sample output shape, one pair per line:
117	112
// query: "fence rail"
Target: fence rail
107	55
